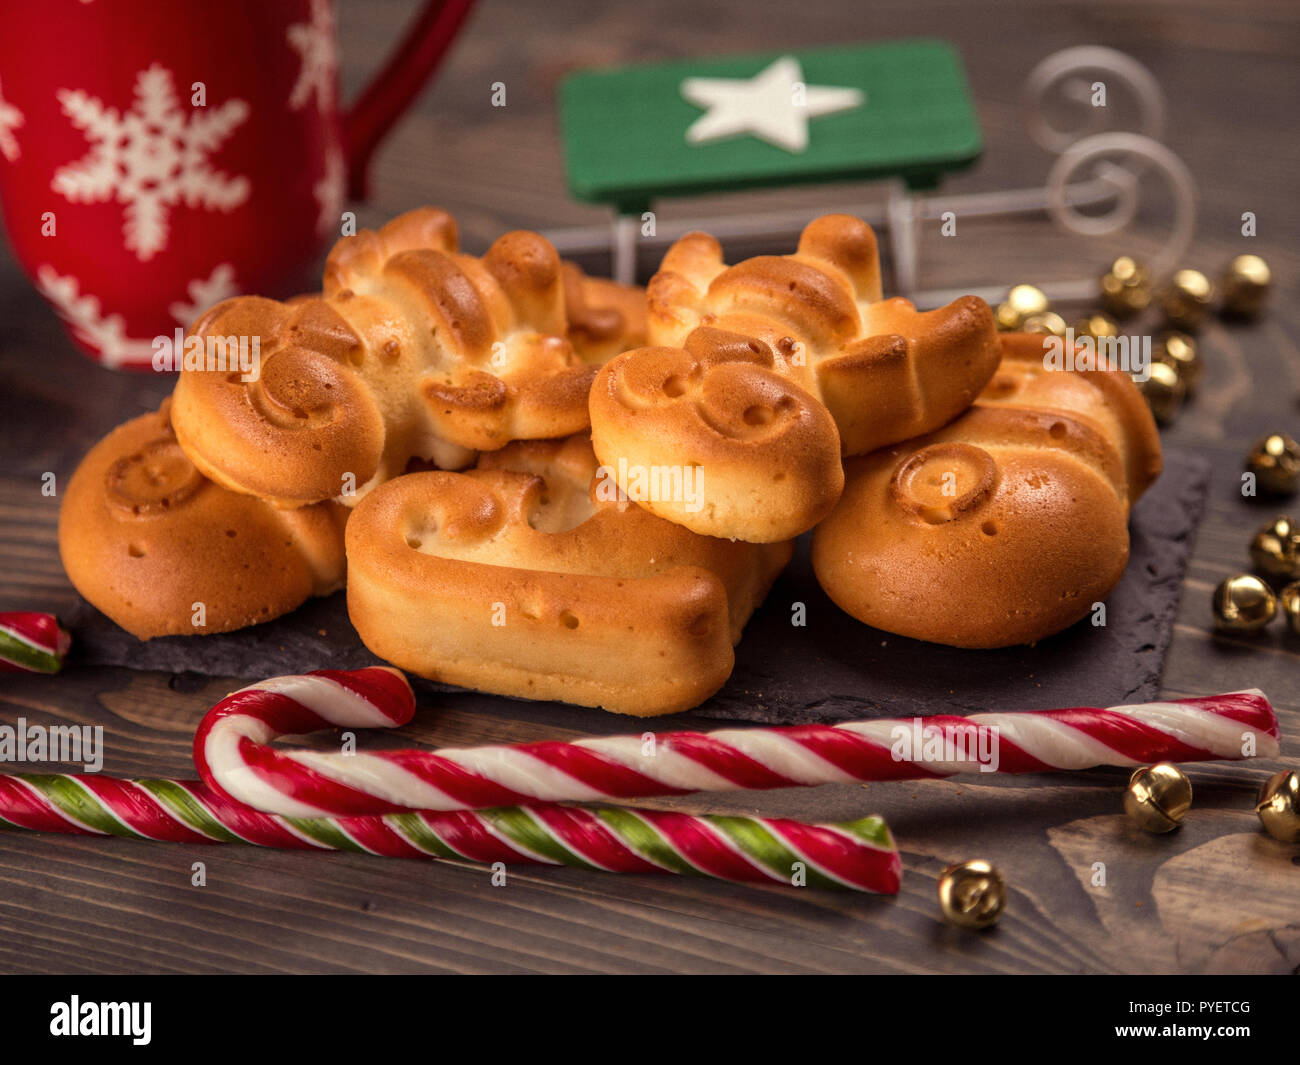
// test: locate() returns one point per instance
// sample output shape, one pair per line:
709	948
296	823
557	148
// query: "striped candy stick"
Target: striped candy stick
232	752
856	855
31	642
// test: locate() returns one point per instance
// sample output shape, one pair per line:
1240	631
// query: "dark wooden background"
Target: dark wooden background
1215	896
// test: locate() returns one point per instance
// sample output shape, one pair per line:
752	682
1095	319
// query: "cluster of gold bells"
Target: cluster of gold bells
1159	797
1246	603
973	894
1184	301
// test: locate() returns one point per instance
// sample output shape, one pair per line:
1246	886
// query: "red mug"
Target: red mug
156	157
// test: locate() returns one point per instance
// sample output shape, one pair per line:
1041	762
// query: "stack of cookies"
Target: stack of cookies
546	485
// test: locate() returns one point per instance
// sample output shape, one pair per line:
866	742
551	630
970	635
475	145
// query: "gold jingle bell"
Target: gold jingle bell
1158	797
1097	326
1049	323
1022	302
1179	351
1275	462
1276	549
1126	287
1290	599
1164	391
1243	603
1186	299
1246	284
1278	806
972	894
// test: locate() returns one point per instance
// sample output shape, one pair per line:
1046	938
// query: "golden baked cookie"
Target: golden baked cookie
529	577
149	540
604	317
412	350
1003	527
764	373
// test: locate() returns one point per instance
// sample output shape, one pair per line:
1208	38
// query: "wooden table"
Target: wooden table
1217	895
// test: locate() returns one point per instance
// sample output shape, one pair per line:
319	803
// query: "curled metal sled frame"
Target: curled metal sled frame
1094	169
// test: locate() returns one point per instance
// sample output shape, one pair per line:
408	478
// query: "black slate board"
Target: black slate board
831	669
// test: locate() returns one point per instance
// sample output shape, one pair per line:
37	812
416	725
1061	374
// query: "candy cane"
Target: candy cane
232	755
855	855
32	643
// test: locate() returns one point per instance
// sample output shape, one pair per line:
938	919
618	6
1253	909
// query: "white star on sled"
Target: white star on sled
774	105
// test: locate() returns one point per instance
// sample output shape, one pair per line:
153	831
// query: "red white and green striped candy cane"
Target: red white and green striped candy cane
233	753
31	642
856	855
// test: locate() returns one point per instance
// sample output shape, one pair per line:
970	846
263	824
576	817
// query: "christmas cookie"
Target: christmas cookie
762	374
1005	526
163	551
530	576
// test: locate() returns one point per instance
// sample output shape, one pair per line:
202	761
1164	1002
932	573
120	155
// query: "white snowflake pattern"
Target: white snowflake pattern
204	293
10	119
151	158
329	190
106	333
314	43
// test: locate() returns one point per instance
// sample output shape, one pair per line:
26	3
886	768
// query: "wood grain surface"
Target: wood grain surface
1216	896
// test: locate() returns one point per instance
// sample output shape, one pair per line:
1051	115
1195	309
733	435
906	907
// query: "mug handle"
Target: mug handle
396	84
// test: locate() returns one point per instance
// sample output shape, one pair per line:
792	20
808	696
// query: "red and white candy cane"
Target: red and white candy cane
233	754
854	855
31	642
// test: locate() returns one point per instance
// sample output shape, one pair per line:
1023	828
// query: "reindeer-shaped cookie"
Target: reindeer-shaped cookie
411	350
1006	525
163	551
529	576
765	373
